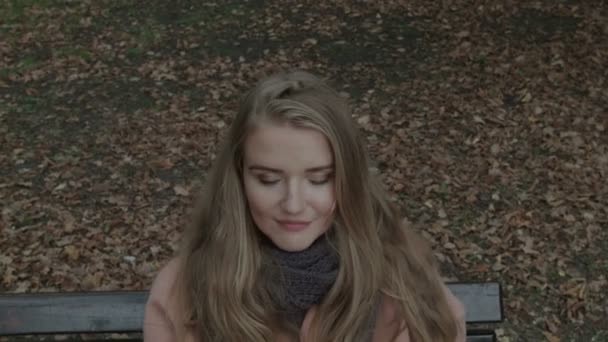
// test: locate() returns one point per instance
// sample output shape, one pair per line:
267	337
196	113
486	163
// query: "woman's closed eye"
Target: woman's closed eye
315	180
268	180
320	180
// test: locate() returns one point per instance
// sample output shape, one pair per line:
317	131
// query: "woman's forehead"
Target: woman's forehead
287	148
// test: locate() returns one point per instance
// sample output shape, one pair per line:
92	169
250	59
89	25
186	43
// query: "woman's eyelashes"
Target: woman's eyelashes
268	180
320	180
314	180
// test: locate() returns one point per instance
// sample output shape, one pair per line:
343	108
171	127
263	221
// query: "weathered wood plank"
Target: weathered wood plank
78	312
483	301
482	338
123	311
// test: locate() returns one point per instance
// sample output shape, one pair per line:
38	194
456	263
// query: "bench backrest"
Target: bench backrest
123	311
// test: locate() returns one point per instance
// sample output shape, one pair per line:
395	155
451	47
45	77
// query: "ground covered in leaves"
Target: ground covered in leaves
486	119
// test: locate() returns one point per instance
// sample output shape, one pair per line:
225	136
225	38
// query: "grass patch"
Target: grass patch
13	11
204	14
538	26
74	52
465	216
31	104
5	72
391	45
135	53
389	35
600	336
27	63
541	151
225	47
413	207
146	35
585	332
128	97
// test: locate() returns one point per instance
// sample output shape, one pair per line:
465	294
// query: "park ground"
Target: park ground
487	121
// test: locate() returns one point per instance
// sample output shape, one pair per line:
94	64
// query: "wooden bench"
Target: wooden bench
123	311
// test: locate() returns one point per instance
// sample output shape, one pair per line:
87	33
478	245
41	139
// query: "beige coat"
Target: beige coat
160	323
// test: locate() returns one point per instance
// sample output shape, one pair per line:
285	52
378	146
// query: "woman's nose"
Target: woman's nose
293	202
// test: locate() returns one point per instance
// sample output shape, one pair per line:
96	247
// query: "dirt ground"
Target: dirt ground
486	119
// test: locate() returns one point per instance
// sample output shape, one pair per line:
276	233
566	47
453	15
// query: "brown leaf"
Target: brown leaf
463	34
181	190
528	244
93	281
552	324
550	337
364	120
161	163
68	221
118	200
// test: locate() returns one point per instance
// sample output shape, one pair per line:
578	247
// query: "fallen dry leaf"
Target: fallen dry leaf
180	190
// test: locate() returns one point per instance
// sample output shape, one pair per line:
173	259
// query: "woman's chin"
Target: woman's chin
294	245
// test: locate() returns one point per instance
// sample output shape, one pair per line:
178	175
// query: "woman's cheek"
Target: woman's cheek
262	197
325	200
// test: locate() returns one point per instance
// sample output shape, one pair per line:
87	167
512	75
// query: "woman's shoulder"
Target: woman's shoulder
163	283
389	323
388	307
159	317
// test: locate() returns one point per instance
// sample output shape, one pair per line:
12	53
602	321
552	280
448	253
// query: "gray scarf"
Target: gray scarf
306	277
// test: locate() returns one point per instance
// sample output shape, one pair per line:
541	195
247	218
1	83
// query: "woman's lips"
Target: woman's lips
293	226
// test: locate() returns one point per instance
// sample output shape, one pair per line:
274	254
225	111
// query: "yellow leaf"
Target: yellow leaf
72	252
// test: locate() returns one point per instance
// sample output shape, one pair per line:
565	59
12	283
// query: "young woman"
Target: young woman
295	240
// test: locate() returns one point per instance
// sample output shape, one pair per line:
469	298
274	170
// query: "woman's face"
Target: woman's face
288	175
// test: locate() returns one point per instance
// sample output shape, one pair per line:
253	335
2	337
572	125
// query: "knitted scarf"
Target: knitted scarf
306	277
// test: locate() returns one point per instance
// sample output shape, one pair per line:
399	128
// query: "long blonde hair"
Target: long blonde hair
222	287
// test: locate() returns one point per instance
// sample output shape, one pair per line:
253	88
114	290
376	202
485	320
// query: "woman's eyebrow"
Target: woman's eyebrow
263	168
255	167
321	168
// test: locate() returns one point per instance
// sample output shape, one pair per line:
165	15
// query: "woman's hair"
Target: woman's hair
222	285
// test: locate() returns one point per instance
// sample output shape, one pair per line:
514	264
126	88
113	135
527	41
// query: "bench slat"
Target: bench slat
77	312
482	338
483	301
123	311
